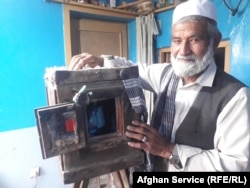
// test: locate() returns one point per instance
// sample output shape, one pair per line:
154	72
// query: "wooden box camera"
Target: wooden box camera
88	136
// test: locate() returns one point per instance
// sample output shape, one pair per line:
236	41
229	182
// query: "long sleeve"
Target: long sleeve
151	76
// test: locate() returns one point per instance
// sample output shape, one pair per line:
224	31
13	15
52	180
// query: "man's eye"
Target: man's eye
194	40
176	41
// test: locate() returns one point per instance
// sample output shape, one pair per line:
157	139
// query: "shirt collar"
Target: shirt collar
206	79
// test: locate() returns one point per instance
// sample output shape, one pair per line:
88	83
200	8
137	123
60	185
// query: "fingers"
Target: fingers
138	132
141	128
147	138
84	60
138	145
74	62
138	138
134	134
79	63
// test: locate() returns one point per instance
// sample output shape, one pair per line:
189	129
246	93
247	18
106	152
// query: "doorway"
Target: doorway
98	37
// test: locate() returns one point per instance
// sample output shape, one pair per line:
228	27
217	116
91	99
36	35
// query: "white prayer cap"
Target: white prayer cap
194	7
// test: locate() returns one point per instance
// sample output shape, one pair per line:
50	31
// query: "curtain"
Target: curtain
146	28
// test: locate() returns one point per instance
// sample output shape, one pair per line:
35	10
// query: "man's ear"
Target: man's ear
217	40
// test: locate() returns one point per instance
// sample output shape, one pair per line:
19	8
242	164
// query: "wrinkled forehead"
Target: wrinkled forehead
190	29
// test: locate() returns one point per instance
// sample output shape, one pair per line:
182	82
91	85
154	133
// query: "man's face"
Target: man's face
190	51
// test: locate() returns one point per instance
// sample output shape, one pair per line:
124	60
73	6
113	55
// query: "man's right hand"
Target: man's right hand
84	60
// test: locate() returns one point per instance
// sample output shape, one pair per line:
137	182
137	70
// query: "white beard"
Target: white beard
194	66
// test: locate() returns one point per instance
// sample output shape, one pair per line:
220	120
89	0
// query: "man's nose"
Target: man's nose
184	49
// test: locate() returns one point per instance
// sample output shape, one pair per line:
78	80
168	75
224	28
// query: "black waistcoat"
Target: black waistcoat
199	125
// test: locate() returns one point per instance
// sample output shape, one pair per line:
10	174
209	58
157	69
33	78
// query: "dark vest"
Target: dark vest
199	125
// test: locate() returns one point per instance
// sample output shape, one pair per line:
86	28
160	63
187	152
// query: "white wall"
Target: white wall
19	152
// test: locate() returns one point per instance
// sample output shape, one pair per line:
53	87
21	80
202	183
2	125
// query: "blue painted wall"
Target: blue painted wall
31	39
132	40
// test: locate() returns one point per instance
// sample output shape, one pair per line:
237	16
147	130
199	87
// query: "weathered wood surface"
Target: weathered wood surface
97	90
61	85
89	75
106	153
91	164
54	139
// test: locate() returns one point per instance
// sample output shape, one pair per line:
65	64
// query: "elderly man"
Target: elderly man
201	120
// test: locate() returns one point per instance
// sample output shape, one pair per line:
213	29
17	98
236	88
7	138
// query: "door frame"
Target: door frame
94	13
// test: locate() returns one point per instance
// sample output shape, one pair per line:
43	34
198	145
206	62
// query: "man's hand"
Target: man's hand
149	139
84	60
